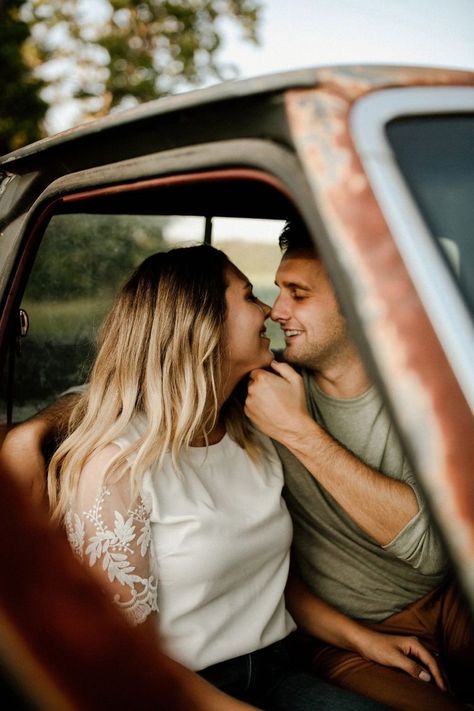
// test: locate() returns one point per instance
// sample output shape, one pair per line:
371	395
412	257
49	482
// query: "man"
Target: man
363	538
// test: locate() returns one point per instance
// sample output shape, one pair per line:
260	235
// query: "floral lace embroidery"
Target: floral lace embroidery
114	548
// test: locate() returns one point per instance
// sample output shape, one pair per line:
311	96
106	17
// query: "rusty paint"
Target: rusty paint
67	646
421	384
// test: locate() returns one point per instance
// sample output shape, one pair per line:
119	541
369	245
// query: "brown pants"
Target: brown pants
441	622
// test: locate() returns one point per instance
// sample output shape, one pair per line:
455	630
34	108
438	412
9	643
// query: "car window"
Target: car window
82	261
436	156
253	246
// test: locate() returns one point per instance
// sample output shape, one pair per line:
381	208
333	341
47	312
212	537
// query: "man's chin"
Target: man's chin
292	357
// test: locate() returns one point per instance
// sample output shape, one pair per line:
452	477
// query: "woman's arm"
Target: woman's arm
110	532
319	619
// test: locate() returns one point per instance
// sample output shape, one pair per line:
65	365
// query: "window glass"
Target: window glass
253	246
82	262
436	157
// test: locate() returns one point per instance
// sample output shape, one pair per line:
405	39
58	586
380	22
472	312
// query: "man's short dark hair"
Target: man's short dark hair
295	236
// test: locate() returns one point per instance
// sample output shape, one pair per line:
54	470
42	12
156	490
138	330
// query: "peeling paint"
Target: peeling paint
426	398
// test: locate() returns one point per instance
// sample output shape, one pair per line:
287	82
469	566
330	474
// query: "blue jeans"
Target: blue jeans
270	680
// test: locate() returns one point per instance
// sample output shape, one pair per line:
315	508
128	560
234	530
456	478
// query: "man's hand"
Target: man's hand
276	402
21	457
402	652
318	618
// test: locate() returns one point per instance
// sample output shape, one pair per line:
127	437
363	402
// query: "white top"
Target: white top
207	546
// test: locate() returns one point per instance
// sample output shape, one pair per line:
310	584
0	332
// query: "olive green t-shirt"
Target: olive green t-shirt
337	559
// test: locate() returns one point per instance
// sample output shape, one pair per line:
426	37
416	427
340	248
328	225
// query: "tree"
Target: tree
116	53
21	108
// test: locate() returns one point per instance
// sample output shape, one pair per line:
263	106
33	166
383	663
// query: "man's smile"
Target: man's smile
290	332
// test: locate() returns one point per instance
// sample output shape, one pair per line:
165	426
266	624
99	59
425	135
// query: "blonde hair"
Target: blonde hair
160	354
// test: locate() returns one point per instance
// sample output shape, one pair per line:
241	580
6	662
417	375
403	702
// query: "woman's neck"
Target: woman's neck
219	429
214	436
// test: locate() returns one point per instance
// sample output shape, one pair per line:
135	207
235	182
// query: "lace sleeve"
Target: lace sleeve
111	534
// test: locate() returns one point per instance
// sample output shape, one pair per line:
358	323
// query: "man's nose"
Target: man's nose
280	310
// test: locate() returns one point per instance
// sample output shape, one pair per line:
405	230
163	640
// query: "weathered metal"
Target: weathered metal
428	403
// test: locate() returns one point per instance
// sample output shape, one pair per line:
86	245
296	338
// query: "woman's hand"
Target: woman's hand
403	653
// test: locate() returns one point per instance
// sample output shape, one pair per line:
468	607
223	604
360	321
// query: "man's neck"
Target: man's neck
344	381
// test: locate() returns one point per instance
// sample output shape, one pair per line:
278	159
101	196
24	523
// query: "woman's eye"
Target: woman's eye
252	297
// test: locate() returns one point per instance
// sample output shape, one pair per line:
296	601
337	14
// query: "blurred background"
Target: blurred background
67	61
64	62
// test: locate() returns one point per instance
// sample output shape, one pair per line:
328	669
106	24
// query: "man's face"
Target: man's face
308	312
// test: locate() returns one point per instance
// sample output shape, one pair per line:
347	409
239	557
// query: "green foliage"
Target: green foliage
82	262
121	52
21	108
90	255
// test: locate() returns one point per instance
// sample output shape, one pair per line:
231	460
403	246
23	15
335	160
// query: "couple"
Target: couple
171	496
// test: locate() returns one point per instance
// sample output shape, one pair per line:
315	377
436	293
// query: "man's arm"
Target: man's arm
22	452
319	619
378	504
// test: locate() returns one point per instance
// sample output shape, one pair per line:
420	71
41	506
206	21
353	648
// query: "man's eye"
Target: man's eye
298	297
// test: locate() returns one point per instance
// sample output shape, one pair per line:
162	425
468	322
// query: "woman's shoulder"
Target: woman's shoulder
99	460
92	478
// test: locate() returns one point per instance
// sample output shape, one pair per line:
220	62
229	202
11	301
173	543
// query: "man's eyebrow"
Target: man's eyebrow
293	285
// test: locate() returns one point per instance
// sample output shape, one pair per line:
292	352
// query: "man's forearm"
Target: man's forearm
21	455
315	617
54	419
380	505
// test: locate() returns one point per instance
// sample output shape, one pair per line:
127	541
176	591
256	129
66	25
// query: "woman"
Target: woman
174	500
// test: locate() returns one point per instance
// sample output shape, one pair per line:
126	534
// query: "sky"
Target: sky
302	33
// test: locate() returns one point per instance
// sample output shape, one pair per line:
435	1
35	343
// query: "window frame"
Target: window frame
447	311
248	158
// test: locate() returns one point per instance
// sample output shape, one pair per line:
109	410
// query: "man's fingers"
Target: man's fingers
409	647
259	372
283	370
418	650
286	371
410	666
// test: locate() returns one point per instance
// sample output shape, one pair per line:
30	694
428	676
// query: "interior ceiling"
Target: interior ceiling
235	198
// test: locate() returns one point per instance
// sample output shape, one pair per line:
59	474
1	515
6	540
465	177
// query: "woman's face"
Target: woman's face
247	345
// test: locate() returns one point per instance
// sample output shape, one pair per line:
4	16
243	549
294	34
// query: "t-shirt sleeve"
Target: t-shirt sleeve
109	530
419	543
